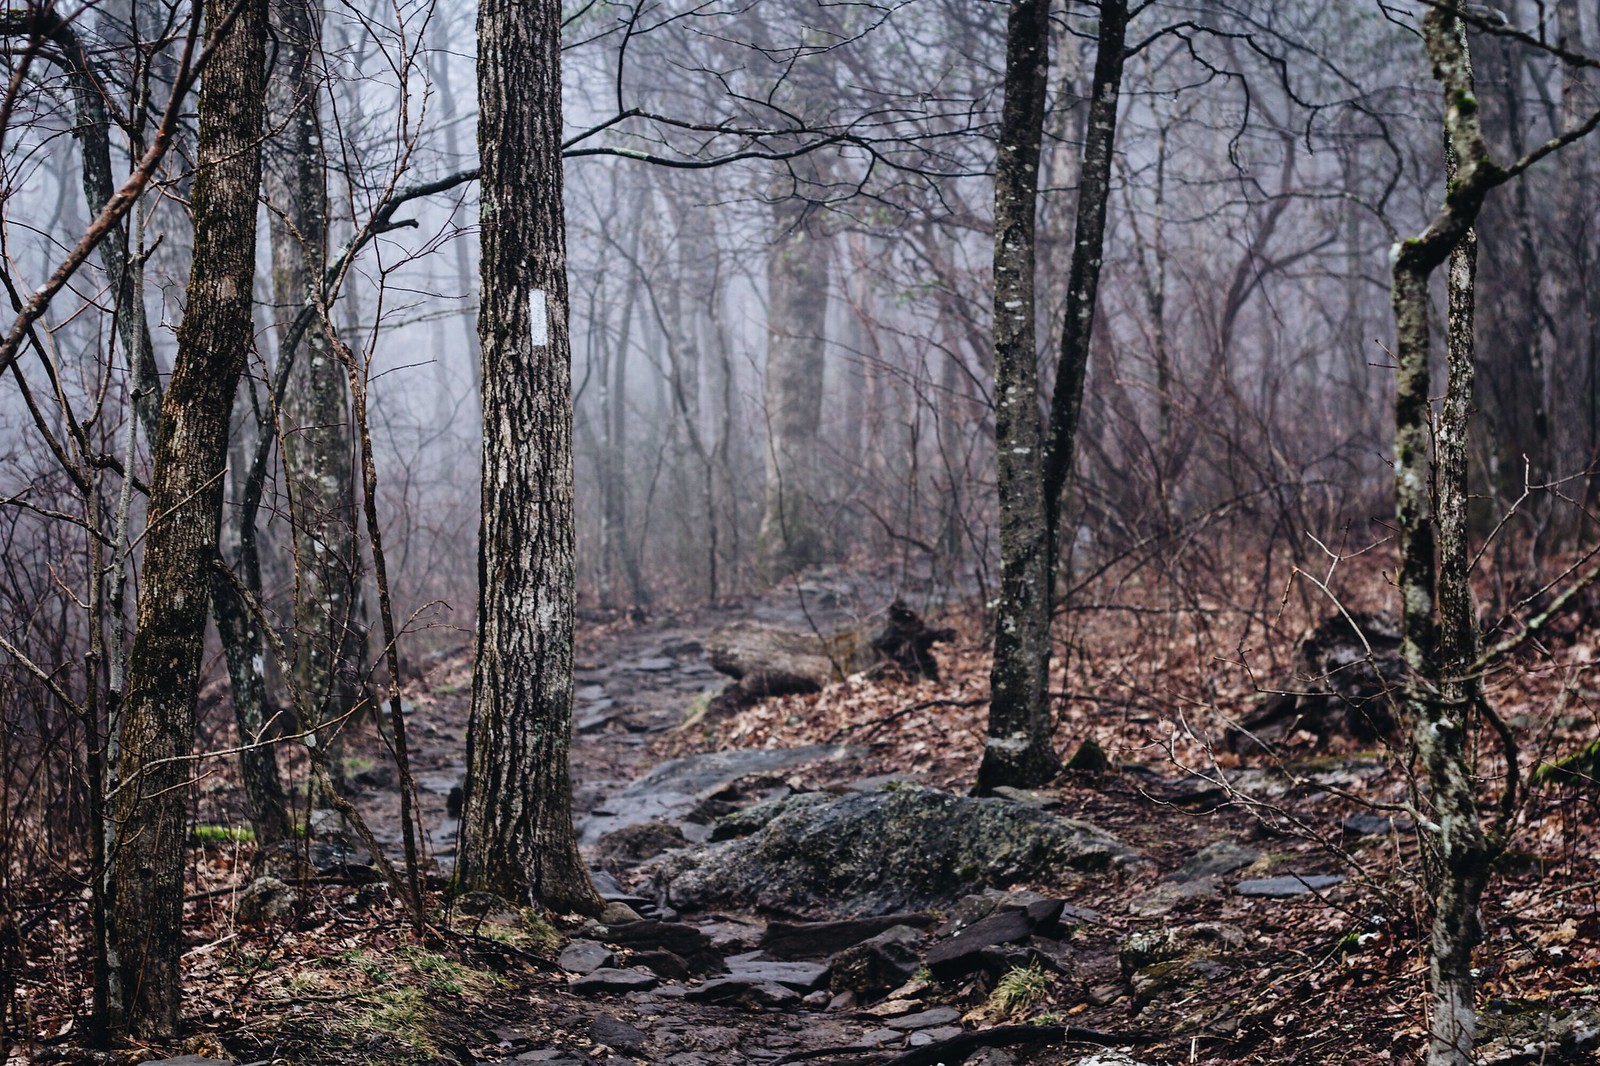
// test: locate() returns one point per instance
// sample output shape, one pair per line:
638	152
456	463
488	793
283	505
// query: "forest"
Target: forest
842	532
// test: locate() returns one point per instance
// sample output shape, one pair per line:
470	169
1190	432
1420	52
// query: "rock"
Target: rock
615	912
814	940
663	963
878	964
589	693
324	821
684	941
1109	1058
800	976
881	1038
608	979
754	818
1371	825
962	954
188	1060
749	992
616	1034
1029	797
489	907
656	664
676	787
266	899
1172	896
585	956
1174	973
1288	885
877	853
1214	860
928	1019
1205	940
1535	1032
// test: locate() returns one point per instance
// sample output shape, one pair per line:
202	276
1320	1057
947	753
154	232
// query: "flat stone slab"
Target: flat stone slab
585	957
815	940
743	990
1287	885
1214	860
611	980
928	1019
800	976
617	1034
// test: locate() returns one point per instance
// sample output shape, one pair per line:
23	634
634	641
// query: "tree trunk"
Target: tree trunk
517	836
797	315
1019	750
181	541
316	445
1033	470
1460	854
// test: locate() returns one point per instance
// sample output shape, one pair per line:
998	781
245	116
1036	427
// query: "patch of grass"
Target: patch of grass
223	834
1018	991
356	764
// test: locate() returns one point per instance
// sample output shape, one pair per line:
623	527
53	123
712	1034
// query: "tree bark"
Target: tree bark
316	444
181	541
790	538
1033	468
517	835
1019	749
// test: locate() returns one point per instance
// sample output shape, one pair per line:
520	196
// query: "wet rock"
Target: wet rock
616	1034
928	1019
685	941
266	899
608	979
746	991
815	940
585	956
800	976
963	953
752	819
878	964
1214	860
1287	885
674	788
876	853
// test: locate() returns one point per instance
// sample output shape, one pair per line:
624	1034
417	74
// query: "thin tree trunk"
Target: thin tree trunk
1033	468
517	835
316	445
1019	749
181	540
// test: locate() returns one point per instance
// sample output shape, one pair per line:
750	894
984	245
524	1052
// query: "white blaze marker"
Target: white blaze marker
538	318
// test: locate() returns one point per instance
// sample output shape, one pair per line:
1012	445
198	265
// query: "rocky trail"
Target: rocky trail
818	903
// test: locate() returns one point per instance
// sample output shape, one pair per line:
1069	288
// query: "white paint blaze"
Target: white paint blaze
538	318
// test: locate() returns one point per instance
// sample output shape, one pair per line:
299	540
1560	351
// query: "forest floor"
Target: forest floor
1268	909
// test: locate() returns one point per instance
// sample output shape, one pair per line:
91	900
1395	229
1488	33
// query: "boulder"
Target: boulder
876	853
266	899
621	850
